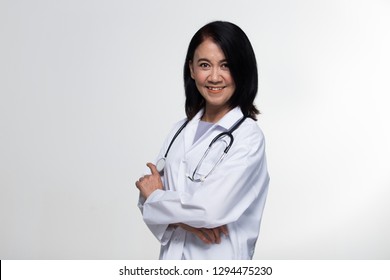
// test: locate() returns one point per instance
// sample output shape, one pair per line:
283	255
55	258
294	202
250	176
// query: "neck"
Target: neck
213	114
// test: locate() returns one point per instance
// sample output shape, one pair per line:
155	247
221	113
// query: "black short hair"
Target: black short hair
242	64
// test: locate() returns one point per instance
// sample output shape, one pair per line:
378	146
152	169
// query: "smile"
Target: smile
215	88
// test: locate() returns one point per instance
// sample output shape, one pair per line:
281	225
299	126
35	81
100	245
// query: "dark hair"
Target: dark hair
242	64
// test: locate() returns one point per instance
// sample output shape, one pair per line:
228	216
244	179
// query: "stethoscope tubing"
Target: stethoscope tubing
175	136
226	133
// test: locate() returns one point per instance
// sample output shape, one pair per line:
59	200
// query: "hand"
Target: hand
149	183
207	235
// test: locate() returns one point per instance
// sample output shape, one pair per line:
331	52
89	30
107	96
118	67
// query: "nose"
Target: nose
215	76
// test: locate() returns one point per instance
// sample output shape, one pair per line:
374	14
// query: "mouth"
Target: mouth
215	89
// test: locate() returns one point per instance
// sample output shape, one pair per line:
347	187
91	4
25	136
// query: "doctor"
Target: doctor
201	202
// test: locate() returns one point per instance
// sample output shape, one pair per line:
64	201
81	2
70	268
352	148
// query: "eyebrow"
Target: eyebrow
207	60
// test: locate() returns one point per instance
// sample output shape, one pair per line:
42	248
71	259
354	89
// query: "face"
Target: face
212	76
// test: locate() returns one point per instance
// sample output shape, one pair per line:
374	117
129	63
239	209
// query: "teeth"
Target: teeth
215	88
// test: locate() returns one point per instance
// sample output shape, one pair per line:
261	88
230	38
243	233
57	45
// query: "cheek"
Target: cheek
198	83
199	78
230	80
200	87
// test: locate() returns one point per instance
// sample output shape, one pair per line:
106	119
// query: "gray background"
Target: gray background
89	90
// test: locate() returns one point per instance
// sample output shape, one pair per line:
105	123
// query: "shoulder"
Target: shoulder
249	143
178	124
174	129
250	132
249	140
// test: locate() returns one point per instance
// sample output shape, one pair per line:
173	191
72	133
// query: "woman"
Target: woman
208	205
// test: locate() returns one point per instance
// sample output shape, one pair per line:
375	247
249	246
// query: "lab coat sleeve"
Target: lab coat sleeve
162	231
224	196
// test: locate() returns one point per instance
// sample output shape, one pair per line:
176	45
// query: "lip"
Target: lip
215	89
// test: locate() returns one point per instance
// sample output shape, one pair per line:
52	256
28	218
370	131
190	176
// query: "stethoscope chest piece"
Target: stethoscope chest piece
160	165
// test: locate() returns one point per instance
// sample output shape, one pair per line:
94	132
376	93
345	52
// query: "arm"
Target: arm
207	235
149	183
162	232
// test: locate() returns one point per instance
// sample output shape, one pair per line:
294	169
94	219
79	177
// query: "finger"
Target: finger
201	236
224	230
217	235
139	182
152	168
209	233
197	232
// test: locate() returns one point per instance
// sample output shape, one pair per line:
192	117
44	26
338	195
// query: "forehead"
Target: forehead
208	49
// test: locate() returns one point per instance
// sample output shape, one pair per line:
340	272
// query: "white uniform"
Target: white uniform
234	194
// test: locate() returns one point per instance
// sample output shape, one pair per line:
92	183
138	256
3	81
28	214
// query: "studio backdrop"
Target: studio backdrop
89	90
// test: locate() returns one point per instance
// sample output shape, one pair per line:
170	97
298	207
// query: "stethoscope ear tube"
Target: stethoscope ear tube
228	134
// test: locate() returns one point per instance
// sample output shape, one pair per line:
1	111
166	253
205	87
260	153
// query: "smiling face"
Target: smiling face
210	71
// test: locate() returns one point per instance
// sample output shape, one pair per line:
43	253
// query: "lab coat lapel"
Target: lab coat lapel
189	132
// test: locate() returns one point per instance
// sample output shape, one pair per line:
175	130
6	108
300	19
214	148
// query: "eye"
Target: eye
204	65
225	66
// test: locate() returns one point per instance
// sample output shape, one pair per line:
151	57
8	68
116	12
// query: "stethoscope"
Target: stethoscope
161	162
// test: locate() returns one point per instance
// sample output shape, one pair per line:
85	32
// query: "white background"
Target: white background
89	90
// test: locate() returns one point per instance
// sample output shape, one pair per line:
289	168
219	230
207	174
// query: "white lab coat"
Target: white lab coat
234	194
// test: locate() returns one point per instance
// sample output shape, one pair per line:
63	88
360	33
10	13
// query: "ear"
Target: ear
191	68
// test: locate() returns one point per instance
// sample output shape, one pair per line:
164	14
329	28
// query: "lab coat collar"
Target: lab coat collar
227	121
223	124
230	118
